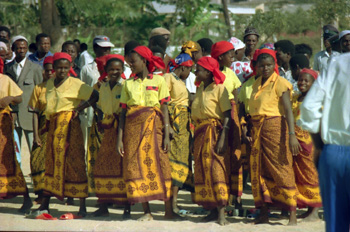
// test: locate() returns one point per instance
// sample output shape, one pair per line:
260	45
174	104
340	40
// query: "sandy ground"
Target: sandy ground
11	220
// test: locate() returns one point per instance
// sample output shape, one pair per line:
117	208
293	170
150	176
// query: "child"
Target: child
211	114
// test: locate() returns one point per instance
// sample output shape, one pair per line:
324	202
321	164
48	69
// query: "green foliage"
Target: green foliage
331	10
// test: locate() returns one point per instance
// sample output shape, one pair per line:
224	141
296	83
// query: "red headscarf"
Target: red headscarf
1	66
153	61
212	65
255	58
103	61
313	73
220	48
66	56
271	53
48	60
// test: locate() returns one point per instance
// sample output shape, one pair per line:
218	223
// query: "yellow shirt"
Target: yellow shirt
246	92
8	88
109	101
67	96
265	100
151	91
210	102
177	89
296	107
231	82
37	102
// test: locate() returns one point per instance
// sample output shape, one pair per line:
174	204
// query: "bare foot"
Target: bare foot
261	220
69	201
212	216
27	204
173	217
292	223
292	218
223	222
146	217
176	209
126	216
100	213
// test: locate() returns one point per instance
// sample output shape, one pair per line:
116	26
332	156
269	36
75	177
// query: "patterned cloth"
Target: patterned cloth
146	168
65	169
12	181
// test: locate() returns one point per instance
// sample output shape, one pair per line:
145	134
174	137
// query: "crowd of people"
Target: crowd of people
141	126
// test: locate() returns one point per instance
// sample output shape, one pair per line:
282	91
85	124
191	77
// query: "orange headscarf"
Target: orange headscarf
213	66
313	73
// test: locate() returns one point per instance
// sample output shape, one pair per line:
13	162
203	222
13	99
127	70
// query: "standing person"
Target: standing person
108	168
85	57
211	114
166	34
297	63
321	58
5	34
251	40
274	140
77	45
43	43
37	105
71	48
306	176
304	49
240	68
285	50
26	75
128	47
11	176
65	174
223	52
344	38
325	114
205	44
179	114
141	140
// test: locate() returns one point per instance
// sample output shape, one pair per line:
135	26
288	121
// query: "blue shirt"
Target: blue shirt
34	58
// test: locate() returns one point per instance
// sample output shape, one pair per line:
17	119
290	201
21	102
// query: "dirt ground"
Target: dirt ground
11	220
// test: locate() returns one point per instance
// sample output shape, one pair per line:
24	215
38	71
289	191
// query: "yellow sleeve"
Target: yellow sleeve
34	99
282	85
224	102
242	94
124	98
236	82
14	90
167	78
99	99
163	95
84	92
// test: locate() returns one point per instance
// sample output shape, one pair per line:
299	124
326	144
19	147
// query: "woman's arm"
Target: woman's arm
221	145
166	142
37	140
120	145
294	145
6	101
92	100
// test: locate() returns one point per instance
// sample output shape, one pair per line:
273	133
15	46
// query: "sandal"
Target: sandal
70	216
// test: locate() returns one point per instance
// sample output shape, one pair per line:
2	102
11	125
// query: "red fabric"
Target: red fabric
271	53
66	56
212	65
313	73
255	58
155	88
172	62
153	61
1	66
102	61
220	48
48	60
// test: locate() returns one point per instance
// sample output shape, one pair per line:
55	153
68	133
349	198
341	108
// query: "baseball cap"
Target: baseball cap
102	41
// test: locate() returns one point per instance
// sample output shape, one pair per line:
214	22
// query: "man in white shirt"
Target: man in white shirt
85	57
325	113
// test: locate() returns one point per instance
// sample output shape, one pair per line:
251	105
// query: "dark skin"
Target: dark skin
328	46
3	54
4	35
283	58
20	49
239	54
266	68
71	50
44	45
295	72
345	43
250	42
61	68
206	77
101	51
138	66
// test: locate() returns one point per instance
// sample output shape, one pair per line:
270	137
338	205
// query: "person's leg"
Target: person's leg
169	212
147	213
82	208
292	218
102	210
45	204
221	216
29	138
174	200
263	215
127	212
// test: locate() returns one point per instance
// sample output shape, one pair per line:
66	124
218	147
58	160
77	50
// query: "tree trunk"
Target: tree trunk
227	18
51	23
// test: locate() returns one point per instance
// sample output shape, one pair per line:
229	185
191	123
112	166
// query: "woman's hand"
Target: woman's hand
294	145
120	148
37	143
5	101
166	144
246	139
171	132
221	145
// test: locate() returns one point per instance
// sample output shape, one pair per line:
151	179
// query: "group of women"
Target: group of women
151	128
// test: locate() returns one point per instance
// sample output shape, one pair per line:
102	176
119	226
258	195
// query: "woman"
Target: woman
223	52
65	170
211	114
37	105
141	141
306	175
271	159
11	176
179	114
108	169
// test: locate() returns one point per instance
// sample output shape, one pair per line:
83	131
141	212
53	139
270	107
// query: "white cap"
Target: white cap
102	41
3	46
237	43
18	37
344	33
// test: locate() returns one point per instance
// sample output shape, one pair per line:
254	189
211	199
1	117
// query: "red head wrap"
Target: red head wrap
271	53
212	65
1	66
66	56
255	58
313	73
102	61
220	48
153	61
48	60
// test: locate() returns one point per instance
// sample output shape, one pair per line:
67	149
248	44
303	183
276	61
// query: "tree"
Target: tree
51	23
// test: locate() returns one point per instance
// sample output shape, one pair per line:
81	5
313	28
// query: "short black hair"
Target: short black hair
32	46
4	40
68	42
303	49
264	56
159	41
76	40
129	46
83	46
301	60
41	35
4	28
286	46
205	44
157	49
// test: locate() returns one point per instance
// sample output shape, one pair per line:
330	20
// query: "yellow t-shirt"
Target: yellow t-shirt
109	101
177	89
67	96
152	92
231	82
8	88
37	102
246	92
210	103
265	100
296	107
